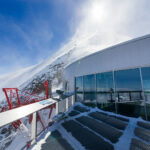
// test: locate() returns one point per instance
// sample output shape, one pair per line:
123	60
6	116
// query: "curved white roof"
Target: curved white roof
131	54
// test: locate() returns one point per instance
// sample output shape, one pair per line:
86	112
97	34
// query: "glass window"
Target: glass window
128	80
128	87
105	87
104	82
89	83
79	97
146	78
79	84
89	88
103	97
146	86
89	96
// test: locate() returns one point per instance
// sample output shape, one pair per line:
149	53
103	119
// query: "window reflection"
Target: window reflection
89	83
146	78
146	86
105	87
127	92
89	96
128	80
79	97
79	88
79	84
89	88
104	81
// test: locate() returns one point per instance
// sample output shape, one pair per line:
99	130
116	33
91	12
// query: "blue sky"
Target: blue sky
32	30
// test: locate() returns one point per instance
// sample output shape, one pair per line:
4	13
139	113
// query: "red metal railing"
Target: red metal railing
17	98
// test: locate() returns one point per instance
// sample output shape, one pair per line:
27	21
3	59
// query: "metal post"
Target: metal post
57	105
46	88
10	106
143	94
75	90
130	96
96	89
67	105
18	97
33	129
83	86
72	100
115	92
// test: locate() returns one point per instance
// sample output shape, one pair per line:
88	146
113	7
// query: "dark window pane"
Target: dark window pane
89	83
104	81
124	96
103	97
128	80
136	95
79	84
89	96
146	85
146	78
79	97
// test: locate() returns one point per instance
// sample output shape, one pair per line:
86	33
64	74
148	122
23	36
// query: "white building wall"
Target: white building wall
131	54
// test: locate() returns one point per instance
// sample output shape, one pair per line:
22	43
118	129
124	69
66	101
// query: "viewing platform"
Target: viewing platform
86	128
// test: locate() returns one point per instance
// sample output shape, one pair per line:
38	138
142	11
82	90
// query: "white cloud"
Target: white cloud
101	23
97	24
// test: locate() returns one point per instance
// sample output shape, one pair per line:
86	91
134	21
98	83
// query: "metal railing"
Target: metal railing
8	117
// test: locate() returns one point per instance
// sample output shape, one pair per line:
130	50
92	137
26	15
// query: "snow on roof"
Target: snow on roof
111	47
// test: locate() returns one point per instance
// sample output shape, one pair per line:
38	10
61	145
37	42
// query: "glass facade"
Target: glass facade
104	82
128	80
89	83
89	88
79	84
119	91
79	88
104	89
146	87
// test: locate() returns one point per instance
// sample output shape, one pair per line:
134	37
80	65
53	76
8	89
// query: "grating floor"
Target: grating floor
56	142
96	130
139	145
73	113
109	120
81	109
87	138
101	128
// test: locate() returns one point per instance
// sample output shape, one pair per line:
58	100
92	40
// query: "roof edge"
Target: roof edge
110	47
